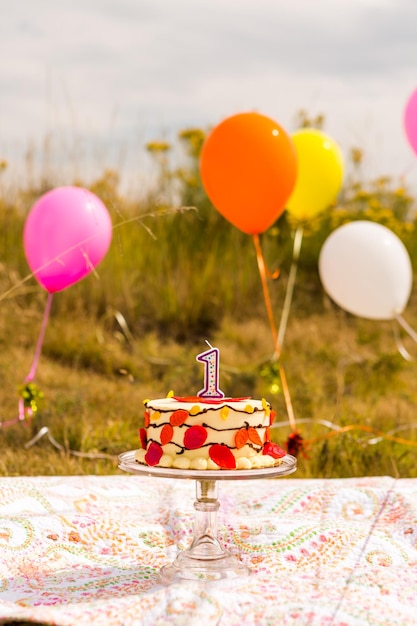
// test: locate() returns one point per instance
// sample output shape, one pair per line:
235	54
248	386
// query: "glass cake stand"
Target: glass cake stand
205	559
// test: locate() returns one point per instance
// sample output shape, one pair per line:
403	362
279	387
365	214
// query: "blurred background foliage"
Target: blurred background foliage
178	273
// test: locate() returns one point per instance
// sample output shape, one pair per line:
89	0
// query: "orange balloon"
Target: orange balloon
248	168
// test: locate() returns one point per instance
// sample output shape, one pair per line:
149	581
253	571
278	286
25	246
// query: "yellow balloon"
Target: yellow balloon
320	173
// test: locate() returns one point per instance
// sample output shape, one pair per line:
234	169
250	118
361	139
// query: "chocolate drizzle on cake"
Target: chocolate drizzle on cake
183	426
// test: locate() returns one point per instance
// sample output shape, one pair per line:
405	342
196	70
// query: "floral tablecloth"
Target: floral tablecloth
86	550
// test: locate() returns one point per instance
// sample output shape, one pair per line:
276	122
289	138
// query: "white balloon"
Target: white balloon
366	269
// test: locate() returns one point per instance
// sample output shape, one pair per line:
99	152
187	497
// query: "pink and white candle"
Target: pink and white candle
211	359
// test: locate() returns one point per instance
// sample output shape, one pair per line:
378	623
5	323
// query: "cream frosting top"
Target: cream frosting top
187	403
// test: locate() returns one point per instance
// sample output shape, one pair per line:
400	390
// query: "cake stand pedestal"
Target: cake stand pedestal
205	559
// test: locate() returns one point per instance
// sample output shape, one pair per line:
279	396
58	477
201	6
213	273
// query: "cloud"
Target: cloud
109	70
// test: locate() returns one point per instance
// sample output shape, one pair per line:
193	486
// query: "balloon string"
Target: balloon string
287	398
398	342
21	416
364	428
298	238
274	275
263	274
85	455
38	350
406	327
41	337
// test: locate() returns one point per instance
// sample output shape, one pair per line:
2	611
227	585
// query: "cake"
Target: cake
202	433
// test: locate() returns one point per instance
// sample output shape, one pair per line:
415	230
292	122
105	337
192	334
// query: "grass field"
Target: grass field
172	279
339	370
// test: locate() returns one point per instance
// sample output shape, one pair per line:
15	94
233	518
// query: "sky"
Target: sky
85	84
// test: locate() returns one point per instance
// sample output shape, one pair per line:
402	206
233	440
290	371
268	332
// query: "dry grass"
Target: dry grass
340	370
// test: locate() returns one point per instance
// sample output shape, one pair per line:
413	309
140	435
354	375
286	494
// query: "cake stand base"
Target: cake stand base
205	559
187	568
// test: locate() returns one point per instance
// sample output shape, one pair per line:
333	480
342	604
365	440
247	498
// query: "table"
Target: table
86	550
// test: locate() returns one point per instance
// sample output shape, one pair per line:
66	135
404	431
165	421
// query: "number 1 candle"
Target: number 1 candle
210	358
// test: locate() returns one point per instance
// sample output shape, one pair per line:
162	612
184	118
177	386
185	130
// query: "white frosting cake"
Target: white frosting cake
201	433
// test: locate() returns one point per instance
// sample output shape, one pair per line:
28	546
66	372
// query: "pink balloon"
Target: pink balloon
410	120
67	233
